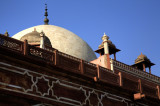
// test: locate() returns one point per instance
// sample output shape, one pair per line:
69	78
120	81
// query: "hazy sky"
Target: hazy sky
132	25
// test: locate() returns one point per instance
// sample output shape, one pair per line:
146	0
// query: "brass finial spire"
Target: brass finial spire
46	20
6	33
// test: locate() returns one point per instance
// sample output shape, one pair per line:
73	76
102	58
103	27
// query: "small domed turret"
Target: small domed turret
34	38
142	62
112	47
142	58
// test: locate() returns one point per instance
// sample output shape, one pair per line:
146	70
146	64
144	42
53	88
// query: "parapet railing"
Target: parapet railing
38	52
12	44
85	68
135	71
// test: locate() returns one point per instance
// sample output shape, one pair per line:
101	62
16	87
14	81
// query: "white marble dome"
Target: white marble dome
63	40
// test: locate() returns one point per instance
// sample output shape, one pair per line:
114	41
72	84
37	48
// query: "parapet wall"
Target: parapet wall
123	79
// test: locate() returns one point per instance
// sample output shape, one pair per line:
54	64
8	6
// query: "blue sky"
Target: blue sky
132	25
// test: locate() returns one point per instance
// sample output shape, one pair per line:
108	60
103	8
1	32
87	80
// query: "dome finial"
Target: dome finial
6	33
46	20
105	36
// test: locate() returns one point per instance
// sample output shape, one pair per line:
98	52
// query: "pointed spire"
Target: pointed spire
6	33
35	30
46	20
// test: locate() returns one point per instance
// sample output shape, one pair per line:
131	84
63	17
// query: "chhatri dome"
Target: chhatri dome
34	38
60	39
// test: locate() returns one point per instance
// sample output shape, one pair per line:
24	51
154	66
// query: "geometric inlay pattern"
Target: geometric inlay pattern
53	89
